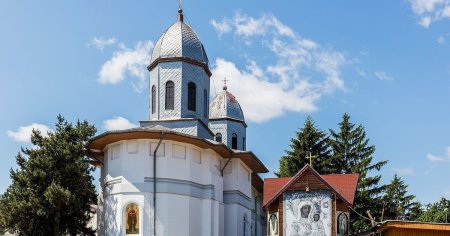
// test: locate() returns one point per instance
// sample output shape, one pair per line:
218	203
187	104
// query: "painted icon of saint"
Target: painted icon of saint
132	219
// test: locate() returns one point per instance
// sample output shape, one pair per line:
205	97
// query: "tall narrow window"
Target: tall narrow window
219	137
243	143
153	99
234	141
169	95
205	103
192	90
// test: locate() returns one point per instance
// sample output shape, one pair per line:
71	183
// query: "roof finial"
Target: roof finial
225	83
180	12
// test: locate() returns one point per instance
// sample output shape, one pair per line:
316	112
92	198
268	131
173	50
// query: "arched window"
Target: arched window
234	141
205	103
153	99
219	137
192	90
169	95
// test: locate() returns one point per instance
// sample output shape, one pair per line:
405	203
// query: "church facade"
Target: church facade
309	204
185	170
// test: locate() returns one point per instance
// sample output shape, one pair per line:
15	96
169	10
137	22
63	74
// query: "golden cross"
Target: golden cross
311	158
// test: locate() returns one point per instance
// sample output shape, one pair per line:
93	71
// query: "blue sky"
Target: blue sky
386	63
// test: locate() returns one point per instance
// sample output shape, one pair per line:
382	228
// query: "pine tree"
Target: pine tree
351	153
309	140
51	191
397	205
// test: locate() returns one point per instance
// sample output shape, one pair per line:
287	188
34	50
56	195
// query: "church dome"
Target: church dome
179	41
225	105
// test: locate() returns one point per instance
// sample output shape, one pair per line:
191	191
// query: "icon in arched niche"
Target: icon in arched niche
132	219
273	224
342	224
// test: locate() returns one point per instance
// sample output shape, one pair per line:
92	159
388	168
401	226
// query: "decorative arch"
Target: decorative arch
132	218
170	87
192	96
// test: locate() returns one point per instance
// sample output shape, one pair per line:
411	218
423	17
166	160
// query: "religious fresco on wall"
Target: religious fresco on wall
273	224
132	219
307	213
342	224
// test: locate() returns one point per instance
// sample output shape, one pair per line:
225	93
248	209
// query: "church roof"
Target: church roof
179	41
97	144
225	105
344	185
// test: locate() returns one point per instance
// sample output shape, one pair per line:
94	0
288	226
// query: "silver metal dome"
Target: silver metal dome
179	40
225	105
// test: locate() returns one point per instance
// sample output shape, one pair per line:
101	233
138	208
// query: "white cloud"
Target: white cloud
403	171
440	40
361	73
381	75
221	27
429	11
118	123
302	71
101	43
127	62
437	159
23	134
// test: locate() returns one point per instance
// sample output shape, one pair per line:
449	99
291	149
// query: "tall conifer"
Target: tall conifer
353	154
397	204
309	140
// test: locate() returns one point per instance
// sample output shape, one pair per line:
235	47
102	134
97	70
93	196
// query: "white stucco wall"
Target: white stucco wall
189	188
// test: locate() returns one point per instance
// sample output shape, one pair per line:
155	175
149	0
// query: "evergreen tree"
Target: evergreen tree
438	212
309	140
52	189
415	212
351	153
397	205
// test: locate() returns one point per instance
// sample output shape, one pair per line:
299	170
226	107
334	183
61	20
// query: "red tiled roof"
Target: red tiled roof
272	186
344	184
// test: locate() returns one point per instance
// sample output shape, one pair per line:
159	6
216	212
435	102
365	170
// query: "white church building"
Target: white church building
185	170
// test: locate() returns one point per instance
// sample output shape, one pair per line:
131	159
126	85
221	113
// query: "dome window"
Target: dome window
234	141
169	95
219	137
192	90
153	99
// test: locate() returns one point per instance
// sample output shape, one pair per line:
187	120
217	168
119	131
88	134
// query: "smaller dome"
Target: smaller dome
225	105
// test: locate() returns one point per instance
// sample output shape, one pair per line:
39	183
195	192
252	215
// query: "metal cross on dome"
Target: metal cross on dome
225	83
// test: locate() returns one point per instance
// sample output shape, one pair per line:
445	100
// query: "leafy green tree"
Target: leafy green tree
52	189
309	139
351	153
438	212
397	204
